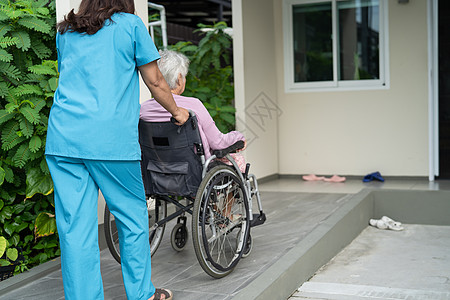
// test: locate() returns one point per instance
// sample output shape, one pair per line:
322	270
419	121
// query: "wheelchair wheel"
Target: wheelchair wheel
179	237
157	210
220	223
248	247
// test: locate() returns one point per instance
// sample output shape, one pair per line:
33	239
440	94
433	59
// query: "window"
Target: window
335	44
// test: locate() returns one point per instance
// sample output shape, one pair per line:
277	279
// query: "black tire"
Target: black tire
220	222
157	210
179	237
248	246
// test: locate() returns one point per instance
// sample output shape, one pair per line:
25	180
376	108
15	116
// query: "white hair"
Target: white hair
172	64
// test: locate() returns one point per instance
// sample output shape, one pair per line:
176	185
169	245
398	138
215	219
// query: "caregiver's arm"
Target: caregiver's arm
161	92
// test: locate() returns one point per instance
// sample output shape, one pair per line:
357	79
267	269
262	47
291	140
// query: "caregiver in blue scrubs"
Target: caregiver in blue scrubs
92	143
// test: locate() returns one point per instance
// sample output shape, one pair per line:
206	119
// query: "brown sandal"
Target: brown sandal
160	292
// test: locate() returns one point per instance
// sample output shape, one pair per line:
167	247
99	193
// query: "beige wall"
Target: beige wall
255	83
353	132
64	6
142	11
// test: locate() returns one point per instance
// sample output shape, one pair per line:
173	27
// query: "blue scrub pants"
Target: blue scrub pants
76	183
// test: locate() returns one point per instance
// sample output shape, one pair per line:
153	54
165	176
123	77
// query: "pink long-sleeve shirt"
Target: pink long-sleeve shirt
212	138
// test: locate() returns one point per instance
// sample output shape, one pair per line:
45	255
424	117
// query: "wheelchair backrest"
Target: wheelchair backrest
171	157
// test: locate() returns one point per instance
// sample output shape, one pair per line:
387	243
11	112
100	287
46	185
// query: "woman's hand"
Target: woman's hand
161	91
181	115
243	148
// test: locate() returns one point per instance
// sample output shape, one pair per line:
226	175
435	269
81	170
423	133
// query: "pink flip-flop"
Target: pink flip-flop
312	177
335	178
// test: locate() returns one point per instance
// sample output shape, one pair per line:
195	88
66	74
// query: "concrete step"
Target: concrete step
341	291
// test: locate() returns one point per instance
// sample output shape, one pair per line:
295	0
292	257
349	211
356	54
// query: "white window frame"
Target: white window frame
335	85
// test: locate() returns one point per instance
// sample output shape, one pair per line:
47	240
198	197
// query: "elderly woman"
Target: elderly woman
174	67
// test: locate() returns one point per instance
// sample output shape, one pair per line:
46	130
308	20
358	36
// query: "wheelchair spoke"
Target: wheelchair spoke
156	212
220	221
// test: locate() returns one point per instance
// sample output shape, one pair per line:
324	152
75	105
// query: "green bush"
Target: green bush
28	80
29	75
210	76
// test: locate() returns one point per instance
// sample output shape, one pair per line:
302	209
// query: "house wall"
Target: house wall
256	83
353	132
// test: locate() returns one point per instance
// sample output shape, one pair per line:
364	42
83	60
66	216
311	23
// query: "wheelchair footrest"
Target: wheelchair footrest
258	219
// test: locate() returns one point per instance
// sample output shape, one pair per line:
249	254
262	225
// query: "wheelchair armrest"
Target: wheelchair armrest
223	152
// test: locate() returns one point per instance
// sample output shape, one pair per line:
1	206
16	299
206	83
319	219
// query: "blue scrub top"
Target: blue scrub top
95	112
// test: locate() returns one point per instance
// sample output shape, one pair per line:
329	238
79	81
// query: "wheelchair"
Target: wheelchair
217	195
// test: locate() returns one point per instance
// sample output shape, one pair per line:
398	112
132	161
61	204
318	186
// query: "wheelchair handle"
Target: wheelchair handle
223	152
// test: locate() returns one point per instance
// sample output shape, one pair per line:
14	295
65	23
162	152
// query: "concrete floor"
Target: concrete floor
305	205
384	264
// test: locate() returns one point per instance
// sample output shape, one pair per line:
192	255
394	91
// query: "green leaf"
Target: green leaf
30	114
10	107
42	257
38	183
28	239
2	176
11	97
27	89
228	108
23	39
13	14
43	11
228	118
4	263
204	89
4	88
9	228
43	70
27	216
39	246
44	225
5	116
40	49
21	156
35	143
6	212
189	48
216	48
9	175
51	245
221	126
3	245
21	227
35	24
15	239
3	16
8	41
44	167
5	56
10	138
18	208
38	103
215	101
212	112
7	197
9	70
53	83
1	205
26	127
12	254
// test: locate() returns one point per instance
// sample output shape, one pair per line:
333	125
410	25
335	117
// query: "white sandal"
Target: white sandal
386	223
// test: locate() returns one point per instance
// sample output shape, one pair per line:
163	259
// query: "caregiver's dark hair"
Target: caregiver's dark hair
92	14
